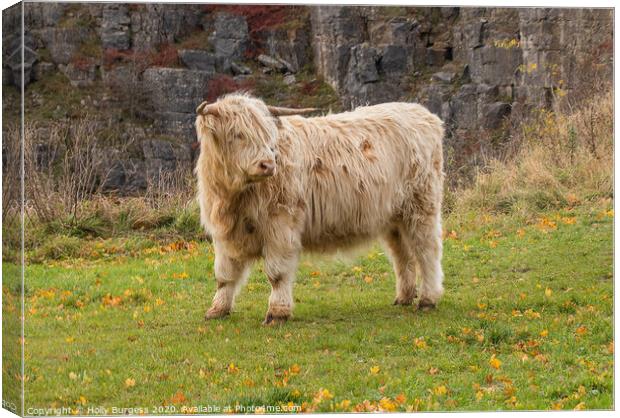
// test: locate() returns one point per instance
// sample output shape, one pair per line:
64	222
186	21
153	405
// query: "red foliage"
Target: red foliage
309	88
224	84
111	56
166	56
259	17
82	63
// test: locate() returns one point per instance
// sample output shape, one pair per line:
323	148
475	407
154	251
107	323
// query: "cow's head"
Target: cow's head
241	134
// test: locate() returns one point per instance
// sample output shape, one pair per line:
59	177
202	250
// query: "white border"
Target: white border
475	3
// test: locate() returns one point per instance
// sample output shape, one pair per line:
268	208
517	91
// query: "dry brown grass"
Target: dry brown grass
64	193
563	159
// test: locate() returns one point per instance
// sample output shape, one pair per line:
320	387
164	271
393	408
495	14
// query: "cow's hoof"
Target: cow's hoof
426	304
403	301
216	313
272	319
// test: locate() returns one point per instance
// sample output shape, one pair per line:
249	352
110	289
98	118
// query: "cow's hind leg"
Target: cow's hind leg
425	236
404	266
230	274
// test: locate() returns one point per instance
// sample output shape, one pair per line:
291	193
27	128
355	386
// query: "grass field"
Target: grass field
526	323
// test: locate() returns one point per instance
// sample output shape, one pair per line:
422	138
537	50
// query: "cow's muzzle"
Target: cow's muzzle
263	169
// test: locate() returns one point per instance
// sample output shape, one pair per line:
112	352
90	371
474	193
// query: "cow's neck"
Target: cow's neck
227	209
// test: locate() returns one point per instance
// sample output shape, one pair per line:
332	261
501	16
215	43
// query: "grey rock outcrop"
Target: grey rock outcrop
290	46
176	89
63	43
474	67
239	69
124	175
174	94
82	75
273	63
43	14
164	157
230	39
153	24
335	31
115	27
196	59
444	77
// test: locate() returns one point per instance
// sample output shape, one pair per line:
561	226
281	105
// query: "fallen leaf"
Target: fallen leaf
178	398
232	368
495	362
420	343
580	406
386	404
440	390
322	394
181	276
344	404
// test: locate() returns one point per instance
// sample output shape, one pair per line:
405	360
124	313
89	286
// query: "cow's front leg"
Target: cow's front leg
230	274
280	271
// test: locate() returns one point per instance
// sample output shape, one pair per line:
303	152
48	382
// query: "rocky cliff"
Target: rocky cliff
142	68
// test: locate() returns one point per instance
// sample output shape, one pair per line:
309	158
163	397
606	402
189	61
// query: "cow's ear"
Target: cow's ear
204	130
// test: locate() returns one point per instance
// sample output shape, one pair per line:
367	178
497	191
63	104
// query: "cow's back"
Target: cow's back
358	168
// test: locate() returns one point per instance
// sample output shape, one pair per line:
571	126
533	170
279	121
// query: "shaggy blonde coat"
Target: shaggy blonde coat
339	180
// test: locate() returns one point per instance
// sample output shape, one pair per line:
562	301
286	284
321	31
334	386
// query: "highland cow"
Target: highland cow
272	183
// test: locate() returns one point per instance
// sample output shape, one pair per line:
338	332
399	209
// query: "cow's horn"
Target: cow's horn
207	109
285	111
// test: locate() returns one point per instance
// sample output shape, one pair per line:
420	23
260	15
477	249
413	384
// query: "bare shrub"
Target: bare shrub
63	168
171	188
11	191
11	171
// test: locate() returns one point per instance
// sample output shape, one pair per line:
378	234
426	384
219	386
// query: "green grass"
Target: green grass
525	323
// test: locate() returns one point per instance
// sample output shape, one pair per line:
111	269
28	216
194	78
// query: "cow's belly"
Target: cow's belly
332	242
344	221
